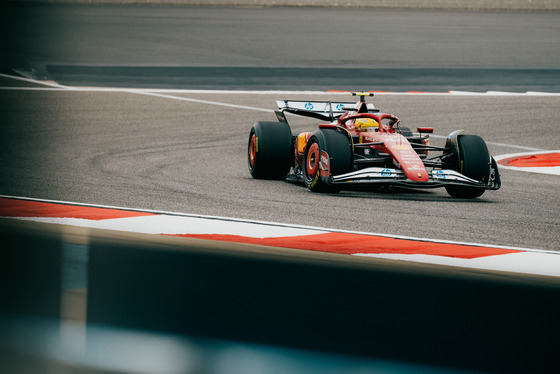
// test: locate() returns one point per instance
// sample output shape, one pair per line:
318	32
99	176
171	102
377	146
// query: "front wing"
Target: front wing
390	176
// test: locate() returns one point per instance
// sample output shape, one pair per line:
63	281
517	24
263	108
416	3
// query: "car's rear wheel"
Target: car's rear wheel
269	151
336	147
474	162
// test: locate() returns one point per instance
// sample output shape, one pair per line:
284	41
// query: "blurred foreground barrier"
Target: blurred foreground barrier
387	310
375	309
30	272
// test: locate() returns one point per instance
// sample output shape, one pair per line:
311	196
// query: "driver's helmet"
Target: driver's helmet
366	124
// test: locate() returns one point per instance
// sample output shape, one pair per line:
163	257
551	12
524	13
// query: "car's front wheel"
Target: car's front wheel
335	150
474	162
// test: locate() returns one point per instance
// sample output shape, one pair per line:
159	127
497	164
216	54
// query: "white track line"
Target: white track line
260	92
266	92
518	146
142	92
501	144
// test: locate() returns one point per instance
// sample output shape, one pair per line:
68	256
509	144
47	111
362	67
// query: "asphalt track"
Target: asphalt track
168	152
186	151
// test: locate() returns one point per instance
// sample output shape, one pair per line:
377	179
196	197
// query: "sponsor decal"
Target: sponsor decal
339	107
400	146
386	173
315	179
409	158
324	164
309	106
415	167
439	174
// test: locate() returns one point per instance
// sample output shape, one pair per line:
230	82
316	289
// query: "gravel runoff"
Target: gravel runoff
503	5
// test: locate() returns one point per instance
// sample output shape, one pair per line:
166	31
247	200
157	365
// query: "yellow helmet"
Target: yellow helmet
365	124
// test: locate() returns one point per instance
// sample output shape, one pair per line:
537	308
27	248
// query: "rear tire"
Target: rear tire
269	151
337	147
473	162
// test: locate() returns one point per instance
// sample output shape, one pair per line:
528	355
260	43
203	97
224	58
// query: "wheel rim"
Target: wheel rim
252	150
312	161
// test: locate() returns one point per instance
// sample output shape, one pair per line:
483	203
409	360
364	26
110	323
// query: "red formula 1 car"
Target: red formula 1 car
361	146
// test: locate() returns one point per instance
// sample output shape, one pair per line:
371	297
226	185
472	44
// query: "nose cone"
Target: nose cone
407	159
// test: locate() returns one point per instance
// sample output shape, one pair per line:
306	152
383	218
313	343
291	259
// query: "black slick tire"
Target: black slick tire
337	146
269	151
473	162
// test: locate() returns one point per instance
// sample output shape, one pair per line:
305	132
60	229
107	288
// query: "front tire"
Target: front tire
269	151
474	162
336	147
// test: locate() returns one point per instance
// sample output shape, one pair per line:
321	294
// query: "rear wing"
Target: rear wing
323	110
